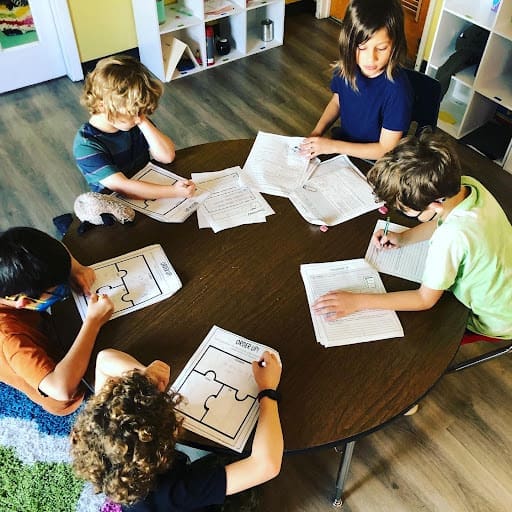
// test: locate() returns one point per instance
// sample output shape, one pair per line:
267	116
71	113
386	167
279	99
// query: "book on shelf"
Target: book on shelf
173	50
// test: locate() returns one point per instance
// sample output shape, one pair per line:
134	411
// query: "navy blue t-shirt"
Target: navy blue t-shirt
185	488
379	103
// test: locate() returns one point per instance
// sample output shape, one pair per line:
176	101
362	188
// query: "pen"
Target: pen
386	227
262	364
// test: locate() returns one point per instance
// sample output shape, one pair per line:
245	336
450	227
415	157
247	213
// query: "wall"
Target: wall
432	30
102	27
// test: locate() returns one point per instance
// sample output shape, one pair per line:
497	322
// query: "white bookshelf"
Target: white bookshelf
186	20
475	92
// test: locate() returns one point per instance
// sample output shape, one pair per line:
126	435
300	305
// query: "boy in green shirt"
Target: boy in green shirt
470	251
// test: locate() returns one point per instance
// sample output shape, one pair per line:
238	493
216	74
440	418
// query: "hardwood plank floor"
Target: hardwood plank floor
455	453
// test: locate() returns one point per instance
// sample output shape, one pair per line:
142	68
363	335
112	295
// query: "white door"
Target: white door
31	33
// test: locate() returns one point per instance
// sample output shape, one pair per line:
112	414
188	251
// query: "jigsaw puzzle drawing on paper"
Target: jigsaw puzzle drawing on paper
133	281
221	399
130	282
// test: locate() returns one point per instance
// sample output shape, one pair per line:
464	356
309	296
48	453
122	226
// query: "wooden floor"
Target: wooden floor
455	454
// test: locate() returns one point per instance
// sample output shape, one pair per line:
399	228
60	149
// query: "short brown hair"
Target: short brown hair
362	19
125	437
417	172
121	86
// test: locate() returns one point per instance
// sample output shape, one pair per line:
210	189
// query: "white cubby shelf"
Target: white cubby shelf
186	20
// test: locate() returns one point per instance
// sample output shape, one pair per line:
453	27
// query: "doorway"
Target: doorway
415	13
37	43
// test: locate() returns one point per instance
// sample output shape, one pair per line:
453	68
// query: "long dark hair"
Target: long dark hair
362	19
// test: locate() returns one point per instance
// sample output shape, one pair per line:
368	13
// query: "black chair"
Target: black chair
426	102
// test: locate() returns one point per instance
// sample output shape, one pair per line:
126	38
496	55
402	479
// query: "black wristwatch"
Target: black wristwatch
270	393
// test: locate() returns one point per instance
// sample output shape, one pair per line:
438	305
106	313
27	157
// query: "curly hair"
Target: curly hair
125	437
362	19
417	172
121	86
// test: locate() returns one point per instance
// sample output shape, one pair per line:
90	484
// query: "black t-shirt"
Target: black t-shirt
186	488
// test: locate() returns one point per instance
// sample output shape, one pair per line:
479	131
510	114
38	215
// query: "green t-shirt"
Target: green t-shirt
470	254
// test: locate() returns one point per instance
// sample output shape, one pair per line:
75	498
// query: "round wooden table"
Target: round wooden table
247	280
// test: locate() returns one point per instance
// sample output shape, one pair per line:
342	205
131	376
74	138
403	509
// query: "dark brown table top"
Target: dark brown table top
247	280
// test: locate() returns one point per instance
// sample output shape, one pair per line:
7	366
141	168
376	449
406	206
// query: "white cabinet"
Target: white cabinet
237	20
475	92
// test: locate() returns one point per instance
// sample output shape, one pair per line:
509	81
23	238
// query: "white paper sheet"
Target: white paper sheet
275	166
174	209
353	276
219	387
133	280
229	203
407	262
336	192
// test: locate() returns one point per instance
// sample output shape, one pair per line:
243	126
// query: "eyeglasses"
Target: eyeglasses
57	294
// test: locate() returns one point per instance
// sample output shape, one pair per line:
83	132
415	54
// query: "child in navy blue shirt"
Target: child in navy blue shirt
372	96
124	440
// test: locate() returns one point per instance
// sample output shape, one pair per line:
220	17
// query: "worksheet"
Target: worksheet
133	281
336	192
351	276
229	203
275	166
219	388
168	209
407	262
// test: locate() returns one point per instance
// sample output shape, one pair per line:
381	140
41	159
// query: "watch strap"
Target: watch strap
270	393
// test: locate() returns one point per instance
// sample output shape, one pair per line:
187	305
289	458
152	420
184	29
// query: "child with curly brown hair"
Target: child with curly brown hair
119	139
124	440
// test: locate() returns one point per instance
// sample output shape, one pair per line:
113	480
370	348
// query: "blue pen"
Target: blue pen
386	227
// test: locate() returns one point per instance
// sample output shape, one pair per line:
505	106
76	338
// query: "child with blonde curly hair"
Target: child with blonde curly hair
124	440
119	139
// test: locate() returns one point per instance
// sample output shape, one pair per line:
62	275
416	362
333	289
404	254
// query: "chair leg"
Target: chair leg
480	359
342	474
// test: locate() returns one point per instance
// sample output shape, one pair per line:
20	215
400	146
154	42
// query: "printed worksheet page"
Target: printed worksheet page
172	209
133	281
275	166
229	203
351	276
407	262
219	388
336	192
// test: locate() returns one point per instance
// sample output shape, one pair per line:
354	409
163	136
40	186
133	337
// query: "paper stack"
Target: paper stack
230	202
355	276
219	388
336	192
275	166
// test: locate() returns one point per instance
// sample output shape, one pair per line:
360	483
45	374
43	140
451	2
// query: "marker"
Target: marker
262	364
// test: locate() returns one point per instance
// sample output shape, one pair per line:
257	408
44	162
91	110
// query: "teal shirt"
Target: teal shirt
470	254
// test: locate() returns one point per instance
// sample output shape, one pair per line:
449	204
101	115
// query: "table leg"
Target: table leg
342	474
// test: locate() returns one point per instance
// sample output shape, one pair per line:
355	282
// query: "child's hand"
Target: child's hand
390	241
100	308
81	277
267	371
334	305
160	373
184	188
315	146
